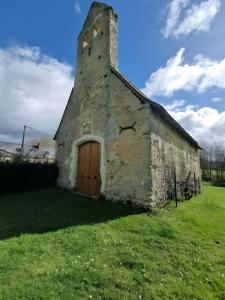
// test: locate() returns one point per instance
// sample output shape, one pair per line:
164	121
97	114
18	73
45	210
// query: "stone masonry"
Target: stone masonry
146	156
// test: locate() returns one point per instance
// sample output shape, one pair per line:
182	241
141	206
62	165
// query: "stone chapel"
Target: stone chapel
114	142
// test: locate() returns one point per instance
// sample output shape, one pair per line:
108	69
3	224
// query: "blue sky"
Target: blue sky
173	50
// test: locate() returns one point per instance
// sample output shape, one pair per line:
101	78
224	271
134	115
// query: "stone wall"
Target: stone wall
125	154
137	164
175	163
86	112
128	151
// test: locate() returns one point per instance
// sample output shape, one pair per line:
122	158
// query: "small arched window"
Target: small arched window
85	40
97	28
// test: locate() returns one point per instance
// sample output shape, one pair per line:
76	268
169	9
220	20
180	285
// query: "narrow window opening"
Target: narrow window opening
97	28
85	40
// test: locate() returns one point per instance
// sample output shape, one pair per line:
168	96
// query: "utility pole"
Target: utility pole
23	138
22	144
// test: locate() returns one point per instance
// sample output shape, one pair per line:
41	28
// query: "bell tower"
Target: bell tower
97	43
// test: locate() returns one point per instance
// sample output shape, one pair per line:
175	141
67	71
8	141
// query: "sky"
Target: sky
173	50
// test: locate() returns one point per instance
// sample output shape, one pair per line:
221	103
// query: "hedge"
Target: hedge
26	176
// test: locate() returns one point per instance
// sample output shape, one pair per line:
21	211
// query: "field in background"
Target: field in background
58	245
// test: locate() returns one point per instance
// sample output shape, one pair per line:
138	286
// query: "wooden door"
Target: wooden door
88	172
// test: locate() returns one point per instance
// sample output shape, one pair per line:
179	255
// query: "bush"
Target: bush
216	182
23	176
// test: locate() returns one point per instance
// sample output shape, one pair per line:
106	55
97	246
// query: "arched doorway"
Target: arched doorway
88	172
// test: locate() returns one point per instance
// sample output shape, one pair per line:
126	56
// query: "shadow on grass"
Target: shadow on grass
52	209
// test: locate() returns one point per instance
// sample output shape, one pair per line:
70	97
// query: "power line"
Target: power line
24	134
39	131
7	152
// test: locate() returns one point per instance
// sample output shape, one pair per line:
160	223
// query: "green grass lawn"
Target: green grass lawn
57	245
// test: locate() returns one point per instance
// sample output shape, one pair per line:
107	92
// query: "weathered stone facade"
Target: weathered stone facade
146	157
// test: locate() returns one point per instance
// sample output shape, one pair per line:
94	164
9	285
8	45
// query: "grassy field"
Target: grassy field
57	245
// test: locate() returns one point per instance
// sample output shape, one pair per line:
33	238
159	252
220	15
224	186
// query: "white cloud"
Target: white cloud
203	124
217	99
196	18
34	90
190	106
203	74
175	105
77	7
174	10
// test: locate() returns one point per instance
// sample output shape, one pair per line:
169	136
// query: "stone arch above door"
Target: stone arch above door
88	181
74	159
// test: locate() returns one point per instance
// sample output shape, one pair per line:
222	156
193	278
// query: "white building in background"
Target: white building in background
8	151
